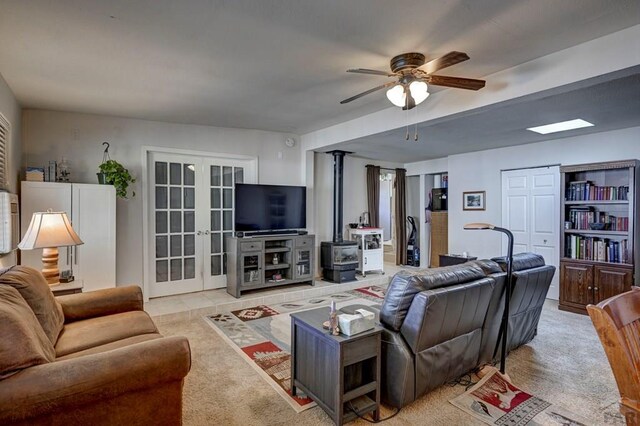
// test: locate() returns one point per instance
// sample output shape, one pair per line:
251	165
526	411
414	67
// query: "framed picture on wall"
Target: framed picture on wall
473	200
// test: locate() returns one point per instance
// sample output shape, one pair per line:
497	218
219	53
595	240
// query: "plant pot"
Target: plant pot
102	178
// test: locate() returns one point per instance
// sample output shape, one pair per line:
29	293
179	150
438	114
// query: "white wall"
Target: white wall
11	110
49	135
355	192
481	171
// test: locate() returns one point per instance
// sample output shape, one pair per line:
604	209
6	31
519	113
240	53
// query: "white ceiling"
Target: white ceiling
609	102
267	64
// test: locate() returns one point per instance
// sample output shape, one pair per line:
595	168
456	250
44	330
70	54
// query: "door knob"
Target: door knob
545	241
206	232
199	233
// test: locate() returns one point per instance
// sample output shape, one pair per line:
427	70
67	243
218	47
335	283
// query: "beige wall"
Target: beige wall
50	135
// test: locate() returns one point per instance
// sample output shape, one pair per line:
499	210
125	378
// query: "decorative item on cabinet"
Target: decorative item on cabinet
114	173
599	232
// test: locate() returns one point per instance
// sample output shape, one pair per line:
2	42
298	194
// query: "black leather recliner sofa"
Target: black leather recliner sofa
442	323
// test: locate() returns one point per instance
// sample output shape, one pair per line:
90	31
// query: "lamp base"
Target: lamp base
50	265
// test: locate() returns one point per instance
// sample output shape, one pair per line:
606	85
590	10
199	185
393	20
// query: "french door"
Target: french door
191	213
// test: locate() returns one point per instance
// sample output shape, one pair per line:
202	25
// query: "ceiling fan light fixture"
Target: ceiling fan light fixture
397	95
419	91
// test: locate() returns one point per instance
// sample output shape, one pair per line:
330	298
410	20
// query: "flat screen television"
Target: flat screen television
270	207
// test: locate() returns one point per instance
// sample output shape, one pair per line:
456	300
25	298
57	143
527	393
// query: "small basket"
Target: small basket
599	226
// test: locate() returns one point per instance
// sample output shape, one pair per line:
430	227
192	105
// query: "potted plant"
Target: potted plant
114	173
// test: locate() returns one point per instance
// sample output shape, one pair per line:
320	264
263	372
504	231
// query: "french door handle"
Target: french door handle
206	232
199	233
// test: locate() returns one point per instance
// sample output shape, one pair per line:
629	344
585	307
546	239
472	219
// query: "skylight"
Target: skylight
578	123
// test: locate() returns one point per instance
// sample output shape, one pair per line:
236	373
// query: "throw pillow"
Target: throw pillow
36	292
23	343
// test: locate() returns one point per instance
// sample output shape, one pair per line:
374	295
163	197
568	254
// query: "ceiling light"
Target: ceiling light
561	126
397	95
418	91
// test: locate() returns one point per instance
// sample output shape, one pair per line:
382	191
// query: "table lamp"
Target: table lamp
48	231
505	316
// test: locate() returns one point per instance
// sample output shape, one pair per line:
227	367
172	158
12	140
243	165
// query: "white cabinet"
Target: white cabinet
370	249
92	211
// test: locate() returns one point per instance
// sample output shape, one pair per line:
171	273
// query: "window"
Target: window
5	128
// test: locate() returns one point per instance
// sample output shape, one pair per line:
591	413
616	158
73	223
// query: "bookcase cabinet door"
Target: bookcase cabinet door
577	283
610	281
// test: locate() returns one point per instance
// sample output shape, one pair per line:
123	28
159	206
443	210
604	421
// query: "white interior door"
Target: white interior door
220	177
531	210
175	248
191	212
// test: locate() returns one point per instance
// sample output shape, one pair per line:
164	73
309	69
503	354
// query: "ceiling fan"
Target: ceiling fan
413	76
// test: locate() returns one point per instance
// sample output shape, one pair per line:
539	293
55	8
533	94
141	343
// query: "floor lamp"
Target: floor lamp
48	231
505	316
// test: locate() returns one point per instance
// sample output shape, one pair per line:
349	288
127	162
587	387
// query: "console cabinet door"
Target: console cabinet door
577	283
610	281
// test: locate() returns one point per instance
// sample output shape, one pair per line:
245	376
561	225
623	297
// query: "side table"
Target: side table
340	373
67	288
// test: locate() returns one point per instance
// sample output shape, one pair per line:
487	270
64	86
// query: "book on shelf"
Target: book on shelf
34	174
582	217
597	249
585	190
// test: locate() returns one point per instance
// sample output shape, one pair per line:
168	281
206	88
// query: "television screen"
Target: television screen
270	207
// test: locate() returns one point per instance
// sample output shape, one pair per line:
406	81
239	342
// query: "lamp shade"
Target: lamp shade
49	229
397	95
479	225
419	91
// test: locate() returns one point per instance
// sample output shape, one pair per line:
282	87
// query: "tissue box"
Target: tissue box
359	322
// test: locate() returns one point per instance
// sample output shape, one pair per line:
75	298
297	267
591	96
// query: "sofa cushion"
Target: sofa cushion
521	261
90	333
23	343
113	345
36	292
405	285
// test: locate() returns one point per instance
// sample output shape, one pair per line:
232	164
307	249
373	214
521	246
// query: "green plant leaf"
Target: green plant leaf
118	176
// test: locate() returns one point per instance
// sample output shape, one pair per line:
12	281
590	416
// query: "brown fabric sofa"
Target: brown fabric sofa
93	358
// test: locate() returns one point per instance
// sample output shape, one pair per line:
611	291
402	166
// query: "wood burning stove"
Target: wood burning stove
338	258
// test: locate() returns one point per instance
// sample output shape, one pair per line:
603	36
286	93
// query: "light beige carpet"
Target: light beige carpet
564	364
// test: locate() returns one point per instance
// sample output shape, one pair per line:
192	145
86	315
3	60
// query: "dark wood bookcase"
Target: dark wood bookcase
599	232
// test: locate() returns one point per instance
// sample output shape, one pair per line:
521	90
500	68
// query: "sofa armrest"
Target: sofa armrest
66	384
98	303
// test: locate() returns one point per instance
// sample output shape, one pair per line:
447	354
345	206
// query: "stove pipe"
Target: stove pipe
338	171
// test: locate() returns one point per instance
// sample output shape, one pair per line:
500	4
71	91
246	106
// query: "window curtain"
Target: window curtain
400	196
373	195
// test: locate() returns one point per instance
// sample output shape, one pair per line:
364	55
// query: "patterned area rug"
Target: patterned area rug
262	335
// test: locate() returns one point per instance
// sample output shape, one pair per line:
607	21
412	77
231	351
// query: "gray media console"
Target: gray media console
269	261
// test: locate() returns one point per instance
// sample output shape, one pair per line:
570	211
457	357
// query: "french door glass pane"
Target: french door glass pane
227	222
227	176
216	268
189	198
175	174
176	221
189	221
162	271
189	245
161	222
176	245
239	171
215	175
215	220
161	197
189	175
227	198
176	269
189	268
215	198
216	242
161	173
162	248
175	197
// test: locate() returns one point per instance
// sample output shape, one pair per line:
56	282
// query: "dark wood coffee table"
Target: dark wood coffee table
340	373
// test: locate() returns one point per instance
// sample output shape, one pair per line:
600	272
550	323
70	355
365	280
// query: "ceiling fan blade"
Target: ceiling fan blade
375	89
457	82
372	72
445	61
